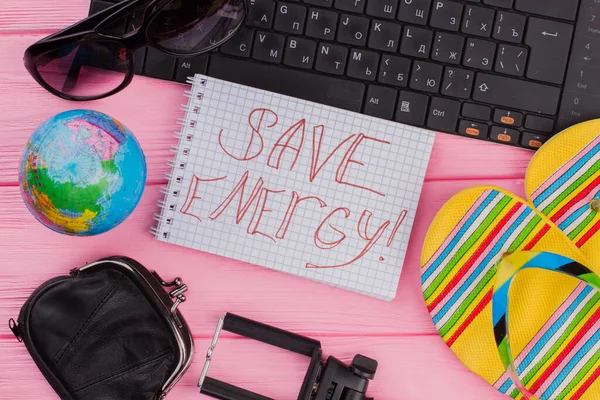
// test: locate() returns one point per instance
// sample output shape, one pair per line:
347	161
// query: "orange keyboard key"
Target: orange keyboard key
473	129
507	120
506	117
505	135
533	140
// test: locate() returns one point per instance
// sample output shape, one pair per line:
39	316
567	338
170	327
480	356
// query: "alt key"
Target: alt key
190	66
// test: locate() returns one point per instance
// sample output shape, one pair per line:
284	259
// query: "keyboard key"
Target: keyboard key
268	47
300	53
356	6
382	8
416	42
479	54
159	64
473	129
331	59
446	15
240	44
533	140
561	9
509	27
539	124
362	64
499	3
380	102
335	92
414	11
321	3
458	82
384	35
506	117
583	78
134	21
443	115
139	57
478	21
190	66
100	5
577	107
505	135
118	27
511	60
353	30
321	24
261	13
550	42
515	93
394	71
289	18
411	108
447	48
476	111
426	76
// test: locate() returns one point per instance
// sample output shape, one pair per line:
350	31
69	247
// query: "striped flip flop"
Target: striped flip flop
508	268
562	181
552	316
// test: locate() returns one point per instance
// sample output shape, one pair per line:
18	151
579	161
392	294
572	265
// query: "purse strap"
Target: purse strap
508	268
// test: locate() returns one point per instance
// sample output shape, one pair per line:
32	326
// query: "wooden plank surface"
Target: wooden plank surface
414	362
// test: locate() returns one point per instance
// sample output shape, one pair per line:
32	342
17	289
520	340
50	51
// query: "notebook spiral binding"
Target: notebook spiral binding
177	164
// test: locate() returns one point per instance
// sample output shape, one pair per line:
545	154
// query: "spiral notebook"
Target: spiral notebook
295	186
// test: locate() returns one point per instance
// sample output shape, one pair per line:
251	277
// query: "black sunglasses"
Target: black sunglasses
87	62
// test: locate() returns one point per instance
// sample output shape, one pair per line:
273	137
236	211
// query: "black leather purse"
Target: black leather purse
107	331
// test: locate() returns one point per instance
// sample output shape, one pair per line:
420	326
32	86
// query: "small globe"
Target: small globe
82	173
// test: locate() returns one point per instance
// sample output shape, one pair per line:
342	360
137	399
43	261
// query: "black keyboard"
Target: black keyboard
508	71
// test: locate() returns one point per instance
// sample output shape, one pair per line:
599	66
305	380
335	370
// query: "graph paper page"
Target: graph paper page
299	187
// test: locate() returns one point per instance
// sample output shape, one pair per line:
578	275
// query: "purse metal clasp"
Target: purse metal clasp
177	294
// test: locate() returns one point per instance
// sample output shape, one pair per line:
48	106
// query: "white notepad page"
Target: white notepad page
299	187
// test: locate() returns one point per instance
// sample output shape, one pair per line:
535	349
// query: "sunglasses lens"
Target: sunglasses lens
85	69
192	26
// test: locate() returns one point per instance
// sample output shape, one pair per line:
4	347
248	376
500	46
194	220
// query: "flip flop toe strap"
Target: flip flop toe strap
508	269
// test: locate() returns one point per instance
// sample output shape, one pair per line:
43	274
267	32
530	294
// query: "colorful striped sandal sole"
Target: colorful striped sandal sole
562	181
551	321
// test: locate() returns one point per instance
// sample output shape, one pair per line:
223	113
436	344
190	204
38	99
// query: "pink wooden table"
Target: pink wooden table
414	362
